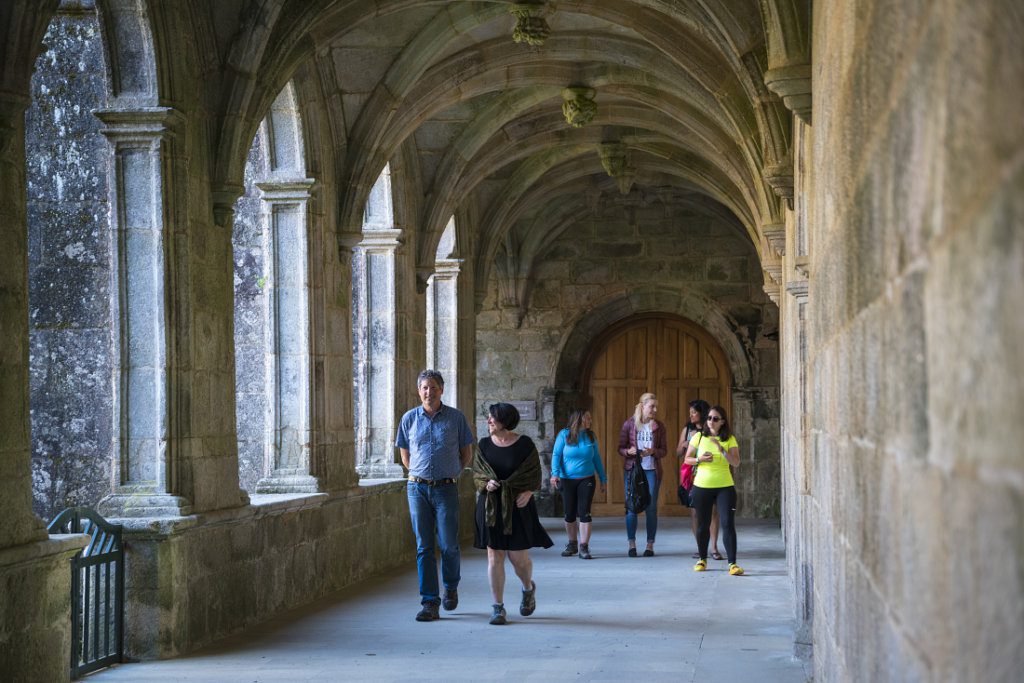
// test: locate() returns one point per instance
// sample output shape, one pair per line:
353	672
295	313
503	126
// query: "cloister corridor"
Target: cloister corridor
234	232
614	618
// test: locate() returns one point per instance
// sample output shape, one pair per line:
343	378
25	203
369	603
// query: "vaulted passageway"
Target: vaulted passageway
233	231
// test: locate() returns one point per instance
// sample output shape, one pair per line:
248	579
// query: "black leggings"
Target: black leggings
703	500
577	495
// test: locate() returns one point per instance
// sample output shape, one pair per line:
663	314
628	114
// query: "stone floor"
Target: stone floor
611	619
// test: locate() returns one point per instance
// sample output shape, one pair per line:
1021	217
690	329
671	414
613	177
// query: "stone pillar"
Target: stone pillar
35	627
443	326
20	525
290	424
146	476
375	342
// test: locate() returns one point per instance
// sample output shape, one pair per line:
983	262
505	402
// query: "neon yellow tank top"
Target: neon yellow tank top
714	474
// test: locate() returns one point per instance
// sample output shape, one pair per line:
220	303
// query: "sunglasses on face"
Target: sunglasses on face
714	418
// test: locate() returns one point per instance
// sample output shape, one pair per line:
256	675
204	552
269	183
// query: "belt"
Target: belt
432	482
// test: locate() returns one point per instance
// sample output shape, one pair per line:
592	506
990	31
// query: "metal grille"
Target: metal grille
97	590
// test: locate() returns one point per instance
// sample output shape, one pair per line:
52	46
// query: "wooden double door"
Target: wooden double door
670	356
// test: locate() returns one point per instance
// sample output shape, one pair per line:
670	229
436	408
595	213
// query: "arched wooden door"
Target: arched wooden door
674	358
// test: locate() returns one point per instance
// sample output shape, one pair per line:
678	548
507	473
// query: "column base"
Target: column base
143	501
288	481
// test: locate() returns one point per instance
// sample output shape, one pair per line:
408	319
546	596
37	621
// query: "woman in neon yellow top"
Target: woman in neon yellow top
715	449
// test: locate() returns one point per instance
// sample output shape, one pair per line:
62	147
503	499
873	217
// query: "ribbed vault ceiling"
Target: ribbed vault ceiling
678	86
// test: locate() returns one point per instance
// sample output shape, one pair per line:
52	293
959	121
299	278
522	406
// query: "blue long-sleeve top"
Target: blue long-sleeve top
576	461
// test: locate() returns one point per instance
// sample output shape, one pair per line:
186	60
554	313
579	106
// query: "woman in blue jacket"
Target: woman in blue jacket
574	462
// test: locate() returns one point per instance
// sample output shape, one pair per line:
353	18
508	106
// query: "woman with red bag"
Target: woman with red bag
698	415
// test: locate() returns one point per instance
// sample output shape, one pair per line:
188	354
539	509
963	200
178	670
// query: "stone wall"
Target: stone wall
70	260
643	256
916	484
195	579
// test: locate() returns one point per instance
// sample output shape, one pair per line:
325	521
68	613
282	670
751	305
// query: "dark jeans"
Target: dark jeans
703	500
577	496
434	511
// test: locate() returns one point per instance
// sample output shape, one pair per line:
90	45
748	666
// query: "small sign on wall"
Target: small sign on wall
527	409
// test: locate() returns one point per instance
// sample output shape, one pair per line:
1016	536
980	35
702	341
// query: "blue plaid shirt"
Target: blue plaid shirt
434	442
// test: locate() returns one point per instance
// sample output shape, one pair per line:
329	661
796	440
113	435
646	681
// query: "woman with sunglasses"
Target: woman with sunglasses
698	414
714	450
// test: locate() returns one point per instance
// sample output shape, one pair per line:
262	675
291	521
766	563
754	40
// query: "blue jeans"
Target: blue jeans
435	510
651	512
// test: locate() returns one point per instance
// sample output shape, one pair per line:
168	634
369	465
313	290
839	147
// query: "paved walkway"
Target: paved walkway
614	618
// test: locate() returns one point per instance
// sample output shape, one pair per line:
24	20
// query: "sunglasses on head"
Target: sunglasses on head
714	418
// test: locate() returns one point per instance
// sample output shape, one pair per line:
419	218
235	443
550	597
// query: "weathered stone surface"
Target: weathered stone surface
70	271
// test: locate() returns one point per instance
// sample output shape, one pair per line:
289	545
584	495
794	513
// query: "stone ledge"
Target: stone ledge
260	505
56	544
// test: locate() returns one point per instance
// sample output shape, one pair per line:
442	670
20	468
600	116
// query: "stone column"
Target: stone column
20	525
374	336
290	424
34	624
443	326
146	477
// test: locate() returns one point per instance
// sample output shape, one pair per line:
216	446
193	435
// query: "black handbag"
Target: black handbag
638	491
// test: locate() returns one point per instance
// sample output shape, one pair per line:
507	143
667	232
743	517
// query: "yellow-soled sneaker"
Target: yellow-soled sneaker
701	566
735	570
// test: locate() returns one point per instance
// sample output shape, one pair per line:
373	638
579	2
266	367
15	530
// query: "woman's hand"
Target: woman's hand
493	485
523	498
631	451
555	481
604	489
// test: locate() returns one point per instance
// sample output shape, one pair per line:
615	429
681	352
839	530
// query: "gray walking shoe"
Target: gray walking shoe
529	602
585	552
570	549
498	615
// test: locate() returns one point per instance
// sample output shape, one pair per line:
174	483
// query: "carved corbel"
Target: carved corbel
793	85
531	26
775	235
578	106
422	279
780	178
224	197
616	164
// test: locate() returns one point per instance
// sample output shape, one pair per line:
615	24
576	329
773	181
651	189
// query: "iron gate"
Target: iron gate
97	590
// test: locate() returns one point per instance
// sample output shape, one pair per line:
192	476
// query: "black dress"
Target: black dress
527	531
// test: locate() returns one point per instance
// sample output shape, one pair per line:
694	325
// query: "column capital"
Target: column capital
287	190
140	127
448	267
381	239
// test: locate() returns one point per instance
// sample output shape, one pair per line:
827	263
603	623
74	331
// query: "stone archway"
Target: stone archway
753	404
668	355
589	324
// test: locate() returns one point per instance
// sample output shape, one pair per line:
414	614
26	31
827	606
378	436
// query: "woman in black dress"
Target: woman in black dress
506	470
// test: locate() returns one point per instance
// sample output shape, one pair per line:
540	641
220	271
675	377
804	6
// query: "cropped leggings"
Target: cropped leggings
703	500
577	496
